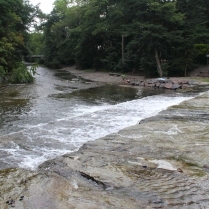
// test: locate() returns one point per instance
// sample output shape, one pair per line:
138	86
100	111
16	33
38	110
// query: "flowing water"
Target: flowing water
59	113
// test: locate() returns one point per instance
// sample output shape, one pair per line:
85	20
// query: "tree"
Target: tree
155	30
157	37
14	23
195	33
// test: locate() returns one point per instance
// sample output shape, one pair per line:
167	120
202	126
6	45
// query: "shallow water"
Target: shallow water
60	112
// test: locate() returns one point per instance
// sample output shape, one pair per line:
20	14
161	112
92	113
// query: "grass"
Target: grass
205	79
200	79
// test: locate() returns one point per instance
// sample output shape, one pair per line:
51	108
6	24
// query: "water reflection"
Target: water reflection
110	94
12	105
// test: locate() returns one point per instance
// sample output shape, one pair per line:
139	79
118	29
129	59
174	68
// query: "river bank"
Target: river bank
138	81
106	77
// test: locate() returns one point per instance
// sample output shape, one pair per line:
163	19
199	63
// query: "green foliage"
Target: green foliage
15	20
35	43
201	51
21	74
2	73
155	31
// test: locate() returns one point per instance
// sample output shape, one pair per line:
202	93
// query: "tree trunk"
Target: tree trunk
185	71
159	69
122	49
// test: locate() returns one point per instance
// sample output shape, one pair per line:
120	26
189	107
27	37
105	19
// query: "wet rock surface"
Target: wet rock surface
160	163
166	83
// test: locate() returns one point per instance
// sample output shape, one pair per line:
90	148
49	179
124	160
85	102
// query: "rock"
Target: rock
168	85
176	86
167	81
21	198
142	83
186	86
161	80
146	84
206	166
157	84
184	82
114	74
161	85
150	81
179	170
150	85
175	82
191	82
99	174
137	83
75	79
133	83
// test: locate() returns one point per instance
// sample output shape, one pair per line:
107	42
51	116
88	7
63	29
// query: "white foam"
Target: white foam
69	132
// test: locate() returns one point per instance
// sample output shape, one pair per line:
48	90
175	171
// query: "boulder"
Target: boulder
162	85
133	83
142	83
162	80
191	82
186	86
184	82
75	79
146	83
150	85
168	85
137	83
206	166
175	82
176	86
151	81
157	84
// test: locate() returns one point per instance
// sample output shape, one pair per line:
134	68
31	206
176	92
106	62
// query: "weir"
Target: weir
160	163
123	170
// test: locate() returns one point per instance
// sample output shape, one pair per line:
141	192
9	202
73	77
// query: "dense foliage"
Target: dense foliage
153	37
15	20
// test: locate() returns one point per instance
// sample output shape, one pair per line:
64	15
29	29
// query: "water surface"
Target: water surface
59	112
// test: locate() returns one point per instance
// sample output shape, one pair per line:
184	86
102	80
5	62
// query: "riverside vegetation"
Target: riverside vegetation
16	19
121	170
151	37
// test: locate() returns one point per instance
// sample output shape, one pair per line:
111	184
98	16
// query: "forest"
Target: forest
150	37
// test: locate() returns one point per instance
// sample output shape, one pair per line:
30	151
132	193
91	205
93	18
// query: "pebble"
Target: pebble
179	170
10	202
206	166
21	198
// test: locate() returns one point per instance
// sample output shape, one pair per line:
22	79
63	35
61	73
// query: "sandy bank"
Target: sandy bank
105	77
99	76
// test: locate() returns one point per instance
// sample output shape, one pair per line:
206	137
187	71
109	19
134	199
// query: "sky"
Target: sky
45	5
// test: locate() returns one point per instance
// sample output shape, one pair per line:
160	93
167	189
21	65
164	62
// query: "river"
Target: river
59	112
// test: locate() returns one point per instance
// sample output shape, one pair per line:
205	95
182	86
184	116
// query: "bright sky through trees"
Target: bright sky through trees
45	5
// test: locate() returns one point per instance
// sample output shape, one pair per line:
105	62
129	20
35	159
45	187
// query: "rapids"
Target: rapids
60	112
